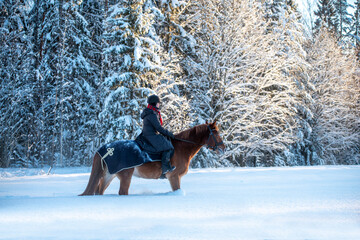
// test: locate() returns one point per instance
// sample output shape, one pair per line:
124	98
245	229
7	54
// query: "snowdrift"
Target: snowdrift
242	203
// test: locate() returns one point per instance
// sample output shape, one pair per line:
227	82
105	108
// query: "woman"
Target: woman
150	140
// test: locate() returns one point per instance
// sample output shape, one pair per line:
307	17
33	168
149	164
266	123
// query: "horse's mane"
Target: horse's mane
195	138
192	132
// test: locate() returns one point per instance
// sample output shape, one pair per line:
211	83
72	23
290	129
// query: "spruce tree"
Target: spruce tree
78	105
16	106
355	29
173	41
326	15
132	65
342	19
46	75
34	76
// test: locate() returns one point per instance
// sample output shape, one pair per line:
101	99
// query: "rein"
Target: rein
210	135
187	141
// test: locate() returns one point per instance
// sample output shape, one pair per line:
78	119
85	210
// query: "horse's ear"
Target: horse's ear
212	125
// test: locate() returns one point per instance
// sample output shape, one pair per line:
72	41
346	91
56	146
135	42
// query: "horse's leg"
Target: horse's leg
97	190
104	182
96	173
125	180
174	182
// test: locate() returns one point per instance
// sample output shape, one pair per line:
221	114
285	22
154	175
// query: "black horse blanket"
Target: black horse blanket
120	155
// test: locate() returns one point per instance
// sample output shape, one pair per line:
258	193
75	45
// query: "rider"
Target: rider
156	143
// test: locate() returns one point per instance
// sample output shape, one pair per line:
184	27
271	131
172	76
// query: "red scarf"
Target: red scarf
157	111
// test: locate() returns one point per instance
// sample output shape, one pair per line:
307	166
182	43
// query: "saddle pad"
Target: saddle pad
120	155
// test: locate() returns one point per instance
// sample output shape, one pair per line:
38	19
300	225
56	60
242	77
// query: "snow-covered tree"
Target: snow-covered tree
308	17
58	71
51	76
206	68
75	74
16	105
277	9
169	23
33	79
342	18
355	28
279	93
175	44
249	78
326	15
289	29
175	107
78	106
335	134
132	67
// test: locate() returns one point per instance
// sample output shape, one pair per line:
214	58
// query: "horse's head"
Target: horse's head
214	140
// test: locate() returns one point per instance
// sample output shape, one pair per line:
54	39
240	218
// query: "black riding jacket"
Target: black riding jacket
153	137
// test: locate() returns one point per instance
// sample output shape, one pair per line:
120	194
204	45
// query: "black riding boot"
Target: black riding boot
165	162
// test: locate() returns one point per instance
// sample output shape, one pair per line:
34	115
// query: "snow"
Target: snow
138	50
228	203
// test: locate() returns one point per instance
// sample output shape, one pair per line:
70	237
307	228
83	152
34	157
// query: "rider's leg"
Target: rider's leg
165	161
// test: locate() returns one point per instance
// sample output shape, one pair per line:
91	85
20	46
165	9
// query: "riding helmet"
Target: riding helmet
153	100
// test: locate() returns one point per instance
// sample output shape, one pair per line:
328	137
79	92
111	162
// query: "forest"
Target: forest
76	74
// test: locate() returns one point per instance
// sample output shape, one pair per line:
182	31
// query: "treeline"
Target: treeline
76	74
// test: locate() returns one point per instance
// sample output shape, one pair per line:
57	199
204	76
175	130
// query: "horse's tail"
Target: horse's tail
95	176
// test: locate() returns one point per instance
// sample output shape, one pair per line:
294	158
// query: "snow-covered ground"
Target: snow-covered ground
242	203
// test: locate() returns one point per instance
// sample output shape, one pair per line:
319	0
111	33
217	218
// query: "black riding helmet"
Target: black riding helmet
153	100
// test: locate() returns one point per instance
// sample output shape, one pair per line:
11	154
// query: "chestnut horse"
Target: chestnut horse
186	144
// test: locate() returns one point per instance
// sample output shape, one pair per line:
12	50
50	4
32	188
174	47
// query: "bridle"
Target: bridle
211	135
217	144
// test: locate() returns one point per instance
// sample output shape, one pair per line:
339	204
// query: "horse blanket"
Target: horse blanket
120	155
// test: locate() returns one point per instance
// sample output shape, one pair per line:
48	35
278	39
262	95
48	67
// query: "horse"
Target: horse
186	144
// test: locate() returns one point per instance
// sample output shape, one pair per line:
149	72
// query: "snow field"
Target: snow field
242	203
